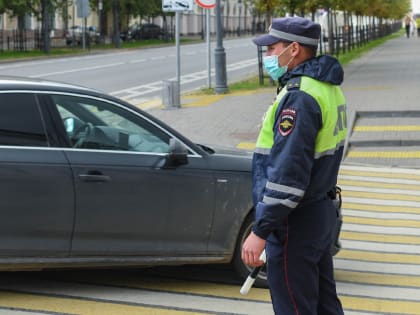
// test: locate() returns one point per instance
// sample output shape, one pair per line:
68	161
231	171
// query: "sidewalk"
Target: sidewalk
383	102
378	269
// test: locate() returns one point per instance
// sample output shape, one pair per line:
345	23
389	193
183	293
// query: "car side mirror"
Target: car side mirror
177	155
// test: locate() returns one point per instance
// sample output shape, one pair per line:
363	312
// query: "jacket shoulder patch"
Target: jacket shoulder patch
287	121
293	84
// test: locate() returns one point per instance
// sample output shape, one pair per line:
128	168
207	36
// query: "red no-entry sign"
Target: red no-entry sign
206	4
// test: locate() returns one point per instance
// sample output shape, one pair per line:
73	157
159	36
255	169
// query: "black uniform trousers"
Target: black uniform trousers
299	262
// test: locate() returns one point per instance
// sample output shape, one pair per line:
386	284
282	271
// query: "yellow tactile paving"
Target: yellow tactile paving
387	128
382	238
380	208
361	183
246	146
379	257
179	286
201	100
34	302
379	173
376	278
382	179
389	196
365	301
382	222
380	306
385	154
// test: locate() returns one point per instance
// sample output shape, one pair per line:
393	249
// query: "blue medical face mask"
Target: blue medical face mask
271	65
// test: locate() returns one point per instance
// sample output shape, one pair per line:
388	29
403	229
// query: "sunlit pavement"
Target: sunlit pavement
377	271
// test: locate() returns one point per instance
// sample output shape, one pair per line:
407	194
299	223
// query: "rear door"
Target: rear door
36	186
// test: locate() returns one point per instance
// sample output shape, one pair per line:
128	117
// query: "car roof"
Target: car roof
14	83
25	83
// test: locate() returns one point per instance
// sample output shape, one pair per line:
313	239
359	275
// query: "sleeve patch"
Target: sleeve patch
287	121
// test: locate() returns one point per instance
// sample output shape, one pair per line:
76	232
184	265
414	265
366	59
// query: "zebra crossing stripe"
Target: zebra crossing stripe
382	215
352	263
380	207
377	278
362	255
376	237
389	230
379	306
403	193
415	175
378	269
382	196
382	222
379	170
377	182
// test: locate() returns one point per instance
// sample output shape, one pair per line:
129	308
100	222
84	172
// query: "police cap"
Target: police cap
291	29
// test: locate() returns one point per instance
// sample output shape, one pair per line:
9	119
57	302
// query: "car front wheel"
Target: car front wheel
241	269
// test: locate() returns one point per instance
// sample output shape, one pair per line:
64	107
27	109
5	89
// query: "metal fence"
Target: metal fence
347	38
343	40
27	40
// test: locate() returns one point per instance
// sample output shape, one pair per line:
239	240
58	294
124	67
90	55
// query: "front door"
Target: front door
126	203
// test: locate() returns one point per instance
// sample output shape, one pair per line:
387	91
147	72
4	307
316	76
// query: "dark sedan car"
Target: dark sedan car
88	180
142	31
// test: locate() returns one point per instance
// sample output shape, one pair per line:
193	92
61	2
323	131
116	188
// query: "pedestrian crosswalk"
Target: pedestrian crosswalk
378	270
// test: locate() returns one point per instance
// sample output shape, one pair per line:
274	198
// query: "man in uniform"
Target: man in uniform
295	167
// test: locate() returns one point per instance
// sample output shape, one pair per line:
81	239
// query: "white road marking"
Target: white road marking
381	215
382	202
381	247
408	192
380	179
389	230
377	267
76	70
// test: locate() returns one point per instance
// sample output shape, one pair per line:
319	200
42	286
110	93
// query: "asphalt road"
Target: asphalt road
377	271
137	74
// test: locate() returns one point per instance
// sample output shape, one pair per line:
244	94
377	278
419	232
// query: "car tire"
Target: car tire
240	268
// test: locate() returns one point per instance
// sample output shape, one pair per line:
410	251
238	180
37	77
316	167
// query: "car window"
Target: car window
21	121
94	124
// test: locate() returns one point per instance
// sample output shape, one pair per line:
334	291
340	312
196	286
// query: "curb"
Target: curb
197	100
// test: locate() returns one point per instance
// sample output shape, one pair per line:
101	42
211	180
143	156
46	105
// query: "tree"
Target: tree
42	9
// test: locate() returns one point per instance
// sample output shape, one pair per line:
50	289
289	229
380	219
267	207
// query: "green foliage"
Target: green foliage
23	7
392	9
132	8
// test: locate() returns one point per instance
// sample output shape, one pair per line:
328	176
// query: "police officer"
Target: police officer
295	167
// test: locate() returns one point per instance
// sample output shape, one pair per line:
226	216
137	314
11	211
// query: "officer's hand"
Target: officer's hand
252	249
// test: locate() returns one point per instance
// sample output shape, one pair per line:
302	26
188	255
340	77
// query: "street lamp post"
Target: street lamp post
239	17
100	7
252	8
220	55
73	42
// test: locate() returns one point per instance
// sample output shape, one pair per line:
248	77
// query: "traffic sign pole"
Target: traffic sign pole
207	5
208	49
178	61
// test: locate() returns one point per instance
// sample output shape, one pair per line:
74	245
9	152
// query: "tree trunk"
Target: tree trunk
116	24
45	26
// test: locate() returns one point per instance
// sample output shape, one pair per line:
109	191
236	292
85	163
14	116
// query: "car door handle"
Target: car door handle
94	177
